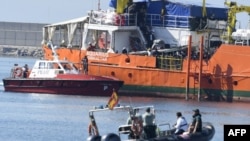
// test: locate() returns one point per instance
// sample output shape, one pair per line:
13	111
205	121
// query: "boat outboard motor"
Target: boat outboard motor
94	138
111	137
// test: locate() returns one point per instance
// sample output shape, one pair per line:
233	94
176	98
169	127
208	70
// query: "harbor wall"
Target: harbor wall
21	39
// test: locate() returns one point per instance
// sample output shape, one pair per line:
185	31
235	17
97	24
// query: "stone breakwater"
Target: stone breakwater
21	51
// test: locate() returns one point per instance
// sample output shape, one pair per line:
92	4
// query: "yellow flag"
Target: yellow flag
113	100
121	4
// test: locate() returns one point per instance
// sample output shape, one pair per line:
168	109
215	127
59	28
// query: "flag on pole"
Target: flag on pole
113	100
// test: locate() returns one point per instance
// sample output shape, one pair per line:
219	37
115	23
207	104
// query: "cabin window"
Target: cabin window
50	66
42	65
66	66
55	66
99	39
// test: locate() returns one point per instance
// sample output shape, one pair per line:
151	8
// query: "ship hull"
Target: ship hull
222	77
69	86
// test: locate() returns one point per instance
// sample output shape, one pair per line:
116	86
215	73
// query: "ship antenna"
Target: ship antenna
99	5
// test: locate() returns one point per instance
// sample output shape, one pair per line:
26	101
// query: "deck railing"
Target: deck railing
128	19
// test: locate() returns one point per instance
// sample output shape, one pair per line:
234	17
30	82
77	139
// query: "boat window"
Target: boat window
50	66
66	66
100	39
55	66
42	65
75	67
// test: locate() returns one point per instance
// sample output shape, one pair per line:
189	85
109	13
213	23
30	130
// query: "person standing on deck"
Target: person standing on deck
85	64
25	71
148	124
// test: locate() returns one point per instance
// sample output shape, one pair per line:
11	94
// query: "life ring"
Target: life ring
92	129
18	72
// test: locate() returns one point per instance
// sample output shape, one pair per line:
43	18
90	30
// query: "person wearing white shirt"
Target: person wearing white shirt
181	124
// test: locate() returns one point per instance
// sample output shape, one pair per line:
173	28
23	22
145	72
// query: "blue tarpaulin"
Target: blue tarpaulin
178	14
195	11
180	9
112	3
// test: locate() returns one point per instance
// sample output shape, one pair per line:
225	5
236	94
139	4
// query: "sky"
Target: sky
53	11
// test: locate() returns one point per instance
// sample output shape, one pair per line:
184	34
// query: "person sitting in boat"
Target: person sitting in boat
181	124
196	125
148	124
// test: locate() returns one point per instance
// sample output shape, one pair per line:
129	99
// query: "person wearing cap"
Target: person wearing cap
148	123
196	125
181	124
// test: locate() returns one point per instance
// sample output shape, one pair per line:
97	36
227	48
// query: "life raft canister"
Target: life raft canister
119	20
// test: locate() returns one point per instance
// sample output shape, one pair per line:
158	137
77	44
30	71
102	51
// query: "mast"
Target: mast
99	8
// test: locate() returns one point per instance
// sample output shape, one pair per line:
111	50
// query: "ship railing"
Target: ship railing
112	18
164	129
169	62
168	20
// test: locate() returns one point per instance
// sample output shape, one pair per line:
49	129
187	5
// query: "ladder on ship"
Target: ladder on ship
196	75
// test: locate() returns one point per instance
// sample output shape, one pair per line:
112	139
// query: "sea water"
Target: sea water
47	117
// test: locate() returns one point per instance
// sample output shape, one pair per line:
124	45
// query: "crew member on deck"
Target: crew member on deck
25	71
148	124
85	64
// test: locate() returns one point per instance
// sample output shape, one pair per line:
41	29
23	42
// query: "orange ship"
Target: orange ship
160	48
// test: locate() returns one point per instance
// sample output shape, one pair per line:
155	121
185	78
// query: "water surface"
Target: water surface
46	117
